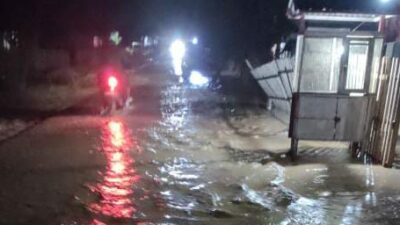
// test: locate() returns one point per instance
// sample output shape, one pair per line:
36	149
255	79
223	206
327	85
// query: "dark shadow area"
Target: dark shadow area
80	108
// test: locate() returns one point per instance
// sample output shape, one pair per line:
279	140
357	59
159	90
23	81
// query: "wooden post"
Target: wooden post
378	122
393	120
386	126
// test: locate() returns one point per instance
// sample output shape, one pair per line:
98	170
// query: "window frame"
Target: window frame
345	62
341	38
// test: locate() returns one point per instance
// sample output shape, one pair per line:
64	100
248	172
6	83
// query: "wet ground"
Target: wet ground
185	155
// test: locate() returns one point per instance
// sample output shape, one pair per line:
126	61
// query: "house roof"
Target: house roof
344	17
365	6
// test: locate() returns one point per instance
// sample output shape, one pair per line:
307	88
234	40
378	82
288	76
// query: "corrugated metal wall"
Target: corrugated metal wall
385	129
276	79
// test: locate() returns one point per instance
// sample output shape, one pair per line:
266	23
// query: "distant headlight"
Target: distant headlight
195	40
198	79
177	49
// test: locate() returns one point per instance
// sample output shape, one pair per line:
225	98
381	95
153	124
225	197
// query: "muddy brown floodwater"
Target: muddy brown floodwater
186	155
187	169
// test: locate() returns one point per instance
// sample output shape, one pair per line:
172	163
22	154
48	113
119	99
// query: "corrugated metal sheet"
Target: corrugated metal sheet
384	135
276	79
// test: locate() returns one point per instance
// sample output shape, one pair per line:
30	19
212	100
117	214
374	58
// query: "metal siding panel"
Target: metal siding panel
298	61
267	88
283	90
281	104
291	79
286	84
273	68
288	63
263	86
352	113
317	107
254	74
278	104
310	129
288	106
281	115
276	85
265	70
281	64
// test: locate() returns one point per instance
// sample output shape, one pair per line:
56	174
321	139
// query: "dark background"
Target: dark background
231	27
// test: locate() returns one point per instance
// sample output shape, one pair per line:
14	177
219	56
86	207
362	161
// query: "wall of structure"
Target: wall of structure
276	80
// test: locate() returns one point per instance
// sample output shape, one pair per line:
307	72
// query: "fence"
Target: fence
385	129
276	80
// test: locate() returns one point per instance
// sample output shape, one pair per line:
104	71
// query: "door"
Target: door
353	105
314	106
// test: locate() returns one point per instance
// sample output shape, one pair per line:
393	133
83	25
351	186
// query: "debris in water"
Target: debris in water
220	214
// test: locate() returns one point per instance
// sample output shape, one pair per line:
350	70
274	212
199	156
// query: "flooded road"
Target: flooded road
186	155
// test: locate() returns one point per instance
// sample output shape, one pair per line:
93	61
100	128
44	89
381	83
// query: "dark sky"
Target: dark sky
370	6
229	24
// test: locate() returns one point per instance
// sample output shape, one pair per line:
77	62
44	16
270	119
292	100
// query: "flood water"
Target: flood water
201	162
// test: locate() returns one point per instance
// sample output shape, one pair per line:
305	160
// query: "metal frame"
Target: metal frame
299	67
343	76
344	60
344	17
300	50
276	80
341	94
382	113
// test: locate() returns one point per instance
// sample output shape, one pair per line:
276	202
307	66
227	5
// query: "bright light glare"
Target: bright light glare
177	64
195	41
112	82
385	1
117	136
177	50
196	78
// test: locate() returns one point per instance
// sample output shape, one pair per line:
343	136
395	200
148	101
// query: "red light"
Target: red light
112	83
116	188
117	135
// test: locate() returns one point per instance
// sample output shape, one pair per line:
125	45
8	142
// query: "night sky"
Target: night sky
241	26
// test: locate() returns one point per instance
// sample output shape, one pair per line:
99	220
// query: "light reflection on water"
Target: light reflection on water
115	190
175	108
196	181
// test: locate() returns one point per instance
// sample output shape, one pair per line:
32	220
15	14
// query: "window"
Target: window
357	65
320	68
